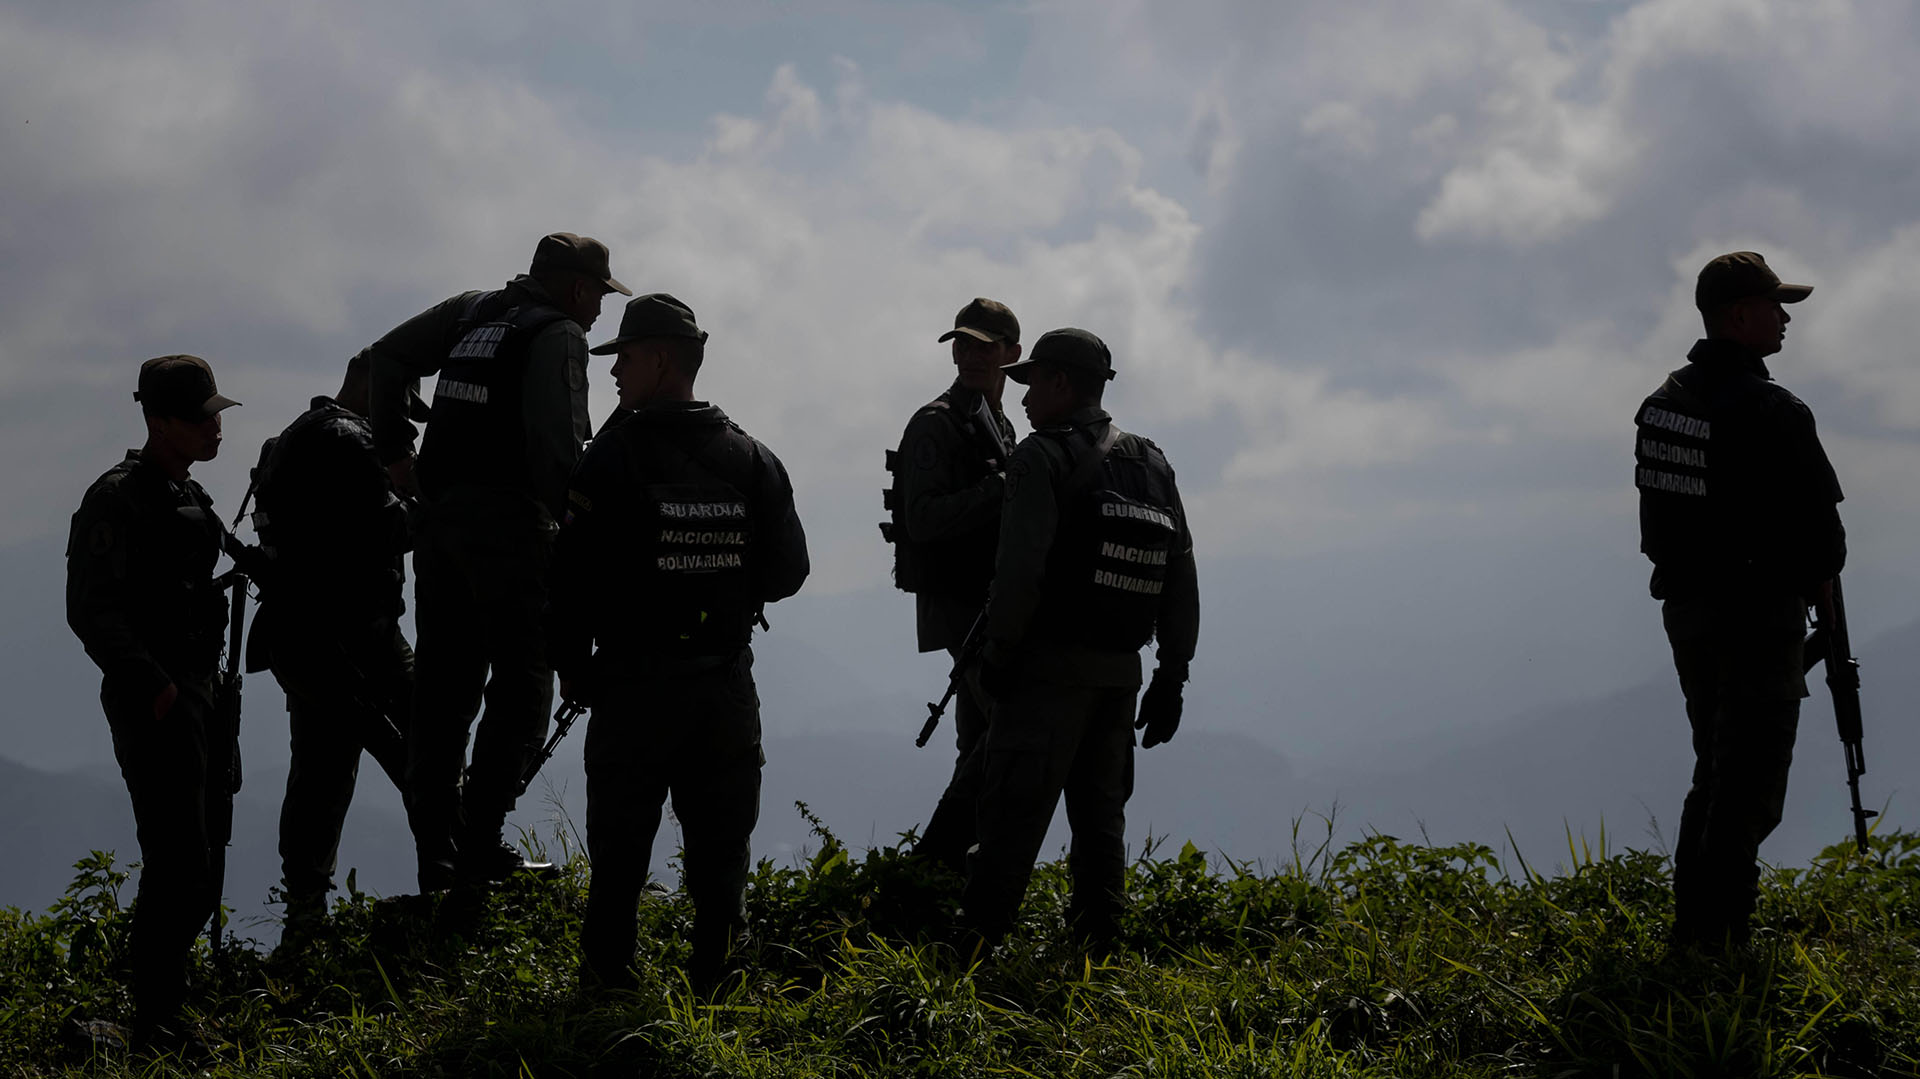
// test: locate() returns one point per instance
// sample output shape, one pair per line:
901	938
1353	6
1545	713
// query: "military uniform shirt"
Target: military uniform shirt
942	502
1039	471
140	593
554	390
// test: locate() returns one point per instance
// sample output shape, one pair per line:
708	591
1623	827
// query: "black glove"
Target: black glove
1160	707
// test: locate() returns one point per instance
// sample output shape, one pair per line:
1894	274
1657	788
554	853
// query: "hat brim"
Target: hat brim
1022	371
977	335
615	286
610	347
219	402
1792	293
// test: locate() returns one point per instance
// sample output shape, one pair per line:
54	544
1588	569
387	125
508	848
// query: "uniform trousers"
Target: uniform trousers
689	730
1045	740
1740	668
950	832
349	690
177	796
479	597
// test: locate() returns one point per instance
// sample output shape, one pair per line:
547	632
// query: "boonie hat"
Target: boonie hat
584	255
1740	275
985	320
1069	347
654	315
180	386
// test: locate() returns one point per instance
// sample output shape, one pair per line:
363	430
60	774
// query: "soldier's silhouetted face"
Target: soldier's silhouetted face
979	362
1759	323
1050	397
187	440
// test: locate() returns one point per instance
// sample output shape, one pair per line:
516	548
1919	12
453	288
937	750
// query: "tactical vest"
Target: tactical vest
1108	566
367	577
956	565
690	535
476	432
1705	483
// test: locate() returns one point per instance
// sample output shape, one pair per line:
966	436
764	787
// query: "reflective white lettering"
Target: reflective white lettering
1672	483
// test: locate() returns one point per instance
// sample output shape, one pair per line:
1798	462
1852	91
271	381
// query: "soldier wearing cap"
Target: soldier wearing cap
948	485
142	599
1094	560
329	626
1738	513
680	528
508	420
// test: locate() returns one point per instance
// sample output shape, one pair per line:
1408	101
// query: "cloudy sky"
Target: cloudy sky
1385	280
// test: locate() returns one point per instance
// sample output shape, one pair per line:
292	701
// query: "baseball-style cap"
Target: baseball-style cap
1070	347
654	315
985	320
180	386
1740	275
563	251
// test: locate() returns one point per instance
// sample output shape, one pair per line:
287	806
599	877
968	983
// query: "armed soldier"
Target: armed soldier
1094	560
680	529
508	421
949	483
1738	513
329	626
142	599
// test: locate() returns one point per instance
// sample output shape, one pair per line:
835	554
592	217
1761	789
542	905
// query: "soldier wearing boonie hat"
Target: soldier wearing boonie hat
508	421
943	509
1739	515
142	600
1094	560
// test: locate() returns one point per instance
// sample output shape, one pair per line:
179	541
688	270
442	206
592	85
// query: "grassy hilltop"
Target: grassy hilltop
1381	959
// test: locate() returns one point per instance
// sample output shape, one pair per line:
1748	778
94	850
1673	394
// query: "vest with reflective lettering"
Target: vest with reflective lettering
476	435
1704	474
1108	566
691	590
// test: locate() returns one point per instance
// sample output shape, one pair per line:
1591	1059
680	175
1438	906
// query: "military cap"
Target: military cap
1070	348
985	320
1741	275
179	386
654	315
584	255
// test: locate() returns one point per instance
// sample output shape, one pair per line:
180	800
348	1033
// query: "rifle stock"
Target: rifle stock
1829	643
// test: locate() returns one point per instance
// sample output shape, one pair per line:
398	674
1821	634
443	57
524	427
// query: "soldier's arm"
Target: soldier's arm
554	411
1820	540
570	587
937	504
1177	626
413	349
1028	521
782	544
99	594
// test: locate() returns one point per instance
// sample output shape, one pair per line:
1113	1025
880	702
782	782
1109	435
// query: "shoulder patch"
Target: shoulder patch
1018	469
926	456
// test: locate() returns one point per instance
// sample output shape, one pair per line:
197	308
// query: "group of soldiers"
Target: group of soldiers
633	563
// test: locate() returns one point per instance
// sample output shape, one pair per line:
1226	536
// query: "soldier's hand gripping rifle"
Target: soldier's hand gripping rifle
969	652
1829	642
563	721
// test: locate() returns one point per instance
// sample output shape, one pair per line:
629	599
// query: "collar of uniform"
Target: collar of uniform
531	287
680	411
1718	352
1089	416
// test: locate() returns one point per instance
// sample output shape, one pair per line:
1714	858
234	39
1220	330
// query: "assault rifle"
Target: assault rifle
563	720
223	763
1829	643
969	651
